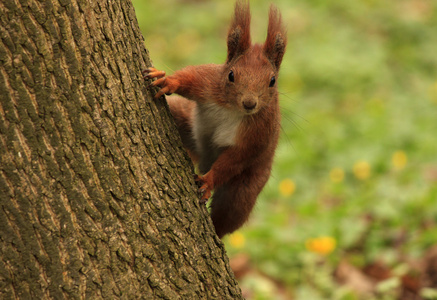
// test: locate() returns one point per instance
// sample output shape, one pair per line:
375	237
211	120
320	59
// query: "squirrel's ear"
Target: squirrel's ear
239	33
274	47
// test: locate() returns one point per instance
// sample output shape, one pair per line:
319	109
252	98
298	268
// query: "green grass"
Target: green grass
358	83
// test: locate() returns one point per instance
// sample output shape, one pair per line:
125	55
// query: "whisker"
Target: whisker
287	138
285	94
293	120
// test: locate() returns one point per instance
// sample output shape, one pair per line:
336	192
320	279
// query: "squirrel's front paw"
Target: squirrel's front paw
151	72
205	189
168	85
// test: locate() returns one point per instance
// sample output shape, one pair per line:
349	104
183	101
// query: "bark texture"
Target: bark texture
97	198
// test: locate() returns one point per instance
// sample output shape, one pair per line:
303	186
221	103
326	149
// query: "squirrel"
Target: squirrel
228	117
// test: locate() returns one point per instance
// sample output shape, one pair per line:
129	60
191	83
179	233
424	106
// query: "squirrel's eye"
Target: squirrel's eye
272	81
231	76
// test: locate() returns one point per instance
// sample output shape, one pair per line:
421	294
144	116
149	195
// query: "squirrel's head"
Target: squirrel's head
250	72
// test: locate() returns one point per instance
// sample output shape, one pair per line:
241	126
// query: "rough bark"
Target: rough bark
96	194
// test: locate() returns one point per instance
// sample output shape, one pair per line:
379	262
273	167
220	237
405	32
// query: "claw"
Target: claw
204	189
203	201
150	73
168	85
159	82
161	92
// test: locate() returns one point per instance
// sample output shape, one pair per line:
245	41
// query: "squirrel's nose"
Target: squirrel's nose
249	104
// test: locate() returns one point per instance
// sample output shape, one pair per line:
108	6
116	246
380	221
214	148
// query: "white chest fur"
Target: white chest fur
216	124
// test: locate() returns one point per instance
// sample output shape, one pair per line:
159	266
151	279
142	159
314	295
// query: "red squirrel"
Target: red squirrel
228	117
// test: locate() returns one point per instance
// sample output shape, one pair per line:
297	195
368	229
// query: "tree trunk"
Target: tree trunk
97	198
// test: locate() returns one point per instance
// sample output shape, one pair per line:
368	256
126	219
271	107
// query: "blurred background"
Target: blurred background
350	211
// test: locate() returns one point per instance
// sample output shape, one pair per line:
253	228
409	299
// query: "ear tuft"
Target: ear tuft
239	32
276	42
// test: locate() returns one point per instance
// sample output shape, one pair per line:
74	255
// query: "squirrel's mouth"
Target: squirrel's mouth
251	112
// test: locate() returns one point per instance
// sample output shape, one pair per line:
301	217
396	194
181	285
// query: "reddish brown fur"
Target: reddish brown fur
239	32
240	171
274	47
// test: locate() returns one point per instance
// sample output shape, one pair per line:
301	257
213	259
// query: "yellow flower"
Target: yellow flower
287	187
399	160
321	245
237	240
336	175
361	170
